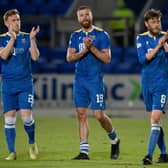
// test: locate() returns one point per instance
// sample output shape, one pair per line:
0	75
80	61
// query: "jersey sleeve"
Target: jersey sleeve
105	41
1	42
141	51
72	41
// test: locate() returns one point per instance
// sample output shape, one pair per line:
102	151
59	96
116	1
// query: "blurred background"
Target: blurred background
53	76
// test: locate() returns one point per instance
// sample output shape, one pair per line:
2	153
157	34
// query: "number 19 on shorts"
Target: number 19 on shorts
99	98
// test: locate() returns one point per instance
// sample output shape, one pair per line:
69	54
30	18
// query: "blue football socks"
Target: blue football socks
153	139
161	142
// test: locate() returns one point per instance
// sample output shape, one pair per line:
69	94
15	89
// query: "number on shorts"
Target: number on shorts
30	99
163	99
99	98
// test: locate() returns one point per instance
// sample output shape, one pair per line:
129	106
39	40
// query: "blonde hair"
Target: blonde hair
10	13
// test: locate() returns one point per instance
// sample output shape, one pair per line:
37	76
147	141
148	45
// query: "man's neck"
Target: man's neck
87	30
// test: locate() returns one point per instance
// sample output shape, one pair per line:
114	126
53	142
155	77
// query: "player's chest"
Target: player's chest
20	47
80	40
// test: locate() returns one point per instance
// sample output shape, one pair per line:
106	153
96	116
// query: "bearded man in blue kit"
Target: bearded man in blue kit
89	48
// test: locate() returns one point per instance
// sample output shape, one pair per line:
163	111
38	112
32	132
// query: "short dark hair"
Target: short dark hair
152	13
10	13
83	7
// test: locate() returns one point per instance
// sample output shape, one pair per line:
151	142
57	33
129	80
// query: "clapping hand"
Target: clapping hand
163	39
34	32
11	32
166	35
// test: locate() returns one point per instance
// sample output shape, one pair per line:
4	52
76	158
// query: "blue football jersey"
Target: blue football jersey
89	65
155	70
18	64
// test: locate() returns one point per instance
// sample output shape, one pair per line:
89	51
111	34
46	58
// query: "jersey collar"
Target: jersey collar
10	35
152	36
92	28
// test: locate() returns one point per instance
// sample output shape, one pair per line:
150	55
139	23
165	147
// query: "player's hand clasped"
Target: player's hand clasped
88	41
163	39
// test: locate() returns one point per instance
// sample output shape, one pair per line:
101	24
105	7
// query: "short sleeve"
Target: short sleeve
1	42
105	40
141	51
72	41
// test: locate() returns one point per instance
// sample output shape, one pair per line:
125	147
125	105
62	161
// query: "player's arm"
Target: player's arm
72	52
162	43
103	55
34	52
151	54
72	55
6	51
145	55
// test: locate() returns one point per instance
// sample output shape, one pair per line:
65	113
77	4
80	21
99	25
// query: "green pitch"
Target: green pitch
58	142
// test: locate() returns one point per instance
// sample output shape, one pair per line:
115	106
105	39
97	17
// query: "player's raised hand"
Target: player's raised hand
11	32
34	32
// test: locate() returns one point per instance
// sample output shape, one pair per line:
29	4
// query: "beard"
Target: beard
86	24
16	29
155	31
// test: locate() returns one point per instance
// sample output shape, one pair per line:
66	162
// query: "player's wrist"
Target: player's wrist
82	53
91	46
32	39
13	38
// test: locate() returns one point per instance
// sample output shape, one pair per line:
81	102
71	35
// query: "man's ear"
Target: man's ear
6	24
146	23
